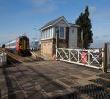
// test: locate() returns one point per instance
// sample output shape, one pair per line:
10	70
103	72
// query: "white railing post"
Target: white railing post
75	55
1	58
78	56
56	53
5	58
88	52
69	55
102	58
105	58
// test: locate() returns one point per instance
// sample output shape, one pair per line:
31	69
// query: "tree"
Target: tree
84	22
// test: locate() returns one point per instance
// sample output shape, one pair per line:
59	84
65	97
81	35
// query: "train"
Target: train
20	46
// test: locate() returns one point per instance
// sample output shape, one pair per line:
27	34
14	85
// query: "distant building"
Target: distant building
34	45
57	33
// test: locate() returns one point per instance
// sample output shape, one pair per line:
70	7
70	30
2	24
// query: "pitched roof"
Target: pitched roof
73	25
53	22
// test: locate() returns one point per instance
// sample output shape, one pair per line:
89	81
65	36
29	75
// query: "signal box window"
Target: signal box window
62	32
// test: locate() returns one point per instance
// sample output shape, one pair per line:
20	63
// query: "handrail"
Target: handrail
87	57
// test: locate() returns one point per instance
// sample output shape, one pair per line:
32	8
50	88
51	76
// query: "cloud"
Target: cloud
104	14
44	9
46	6
92	10
43	6
7	37
106	37
99	13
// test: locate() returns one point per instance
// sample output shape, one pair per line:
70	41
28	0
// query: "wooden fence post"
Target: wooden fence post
105	59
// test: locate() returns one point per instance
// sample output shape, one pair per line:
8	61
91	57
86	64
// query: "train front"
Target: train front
22	46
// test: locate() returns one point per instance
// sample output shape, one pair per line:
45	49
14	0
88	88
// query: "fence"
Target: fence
3	58
91	57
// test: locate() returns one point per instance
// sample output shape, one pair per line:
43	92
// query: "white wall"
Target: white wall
50	32
47	34
73	37
60	24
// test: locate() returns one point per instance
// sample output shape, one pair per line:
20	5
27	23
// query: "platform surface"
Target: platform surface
52	79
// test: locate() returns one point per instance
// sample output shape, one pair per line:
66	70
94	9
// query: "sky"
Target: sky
19	17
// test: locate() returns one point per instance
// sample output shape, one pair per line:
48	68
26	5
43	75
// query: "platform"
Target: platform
53	79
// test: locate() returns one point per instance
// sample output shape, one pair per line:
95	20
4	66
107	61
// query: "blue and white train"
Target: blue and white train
20	45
